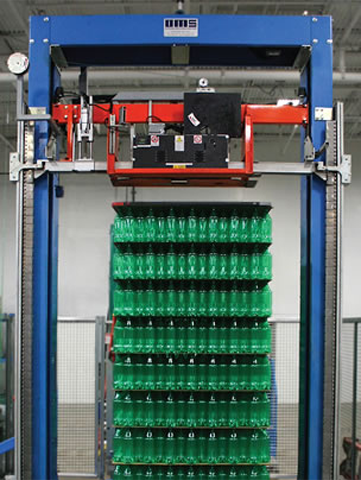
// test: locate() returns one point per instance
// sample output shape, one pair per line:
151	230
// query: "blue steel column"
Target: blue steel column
318	81
45	265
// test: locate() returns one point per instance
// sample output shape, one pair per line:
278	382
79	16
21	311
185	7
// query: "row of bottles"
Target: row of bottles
192	265
198	409
192	373
132	472
190	446
193	303
178	226
193	336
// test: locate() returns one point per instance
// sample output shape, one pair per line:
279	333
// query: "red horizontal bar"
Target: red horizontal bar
173	113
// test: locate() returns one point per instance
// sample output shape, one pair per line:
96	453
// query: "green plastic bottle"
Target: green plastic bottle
161	230
181	444
171	306
181	224
182	302
182	265
212	450
213	374
243	235
170	447
202	443
191	374
161	303
234	227
213	411
127	448
202	266
213	263
191	448
191	410
223	229
265	229
233	447
129	232
202	336
151	226
213	226
160	266
202	301
170	411
171	263
139	267
170	374
202	227
192	264
139	230
192	337
213	310
191	226
148	447
213	337
171	226
171	339
159	441
149	411
202	375
193	301
223	301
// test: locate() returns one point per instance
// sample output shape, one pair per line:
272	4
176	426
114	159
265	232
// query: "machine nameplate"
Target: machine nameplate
180	27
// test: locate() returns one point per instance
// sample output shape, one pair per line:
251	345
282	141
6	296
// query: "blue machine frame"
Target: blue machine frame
93	41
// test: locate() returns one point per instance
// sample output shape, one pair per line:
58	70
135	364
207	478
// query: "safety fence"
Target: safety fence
80	367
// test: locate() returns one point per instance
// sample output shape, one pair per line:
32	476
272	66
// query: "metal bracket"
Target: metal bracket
309	150
15	166
344	169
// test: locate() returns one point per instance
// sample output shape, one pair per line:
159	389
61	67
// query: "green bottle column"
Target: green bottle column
191	341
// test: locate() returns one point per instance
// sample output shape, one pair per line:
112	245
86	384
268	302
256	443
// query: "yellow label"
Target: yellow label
180	166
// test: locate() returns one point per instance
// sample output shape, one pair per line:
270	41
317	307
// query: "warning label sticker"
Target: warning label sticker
197	139
179	143
154	140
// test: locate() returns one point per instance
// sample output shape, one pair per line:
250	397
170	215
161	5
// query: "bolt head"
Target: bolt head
315	40
46	19
46	40
330	41
314	19
31	40
65	116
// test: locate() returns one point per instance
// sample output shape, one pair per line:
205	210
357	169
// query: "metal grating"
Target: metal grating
348	384
77	426
285	397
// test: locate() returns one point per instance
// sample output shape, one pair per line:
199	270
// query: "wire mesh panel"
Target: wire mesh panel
77	407
284	397
350	407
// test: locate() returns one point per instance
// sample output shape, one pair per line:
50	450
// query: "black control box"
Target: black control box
212	113
180	151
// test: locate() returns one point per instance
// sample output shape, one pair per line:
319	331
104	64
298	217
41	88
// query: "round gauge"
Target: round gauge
18	63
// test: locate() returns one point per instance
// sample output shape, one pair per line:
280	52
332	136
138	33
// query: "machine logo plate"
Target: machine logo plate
180	27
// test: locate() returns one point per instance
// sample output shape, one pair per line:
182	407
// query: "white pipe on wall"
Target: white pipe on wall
168	76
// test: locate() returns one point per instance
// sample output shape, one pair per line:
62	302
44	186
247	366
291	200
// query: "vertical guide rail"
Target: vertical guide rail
24	307
333	314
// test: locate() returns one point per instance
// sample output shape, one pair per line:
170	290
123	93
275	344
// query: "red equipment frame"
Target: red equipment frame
173	113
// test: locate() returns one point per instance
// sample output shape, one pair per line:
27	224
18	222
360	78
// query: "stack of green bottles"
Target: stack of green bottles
164	262
192	373
185	335
195	409
187	446
186	300
160	224
199	473
198	372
